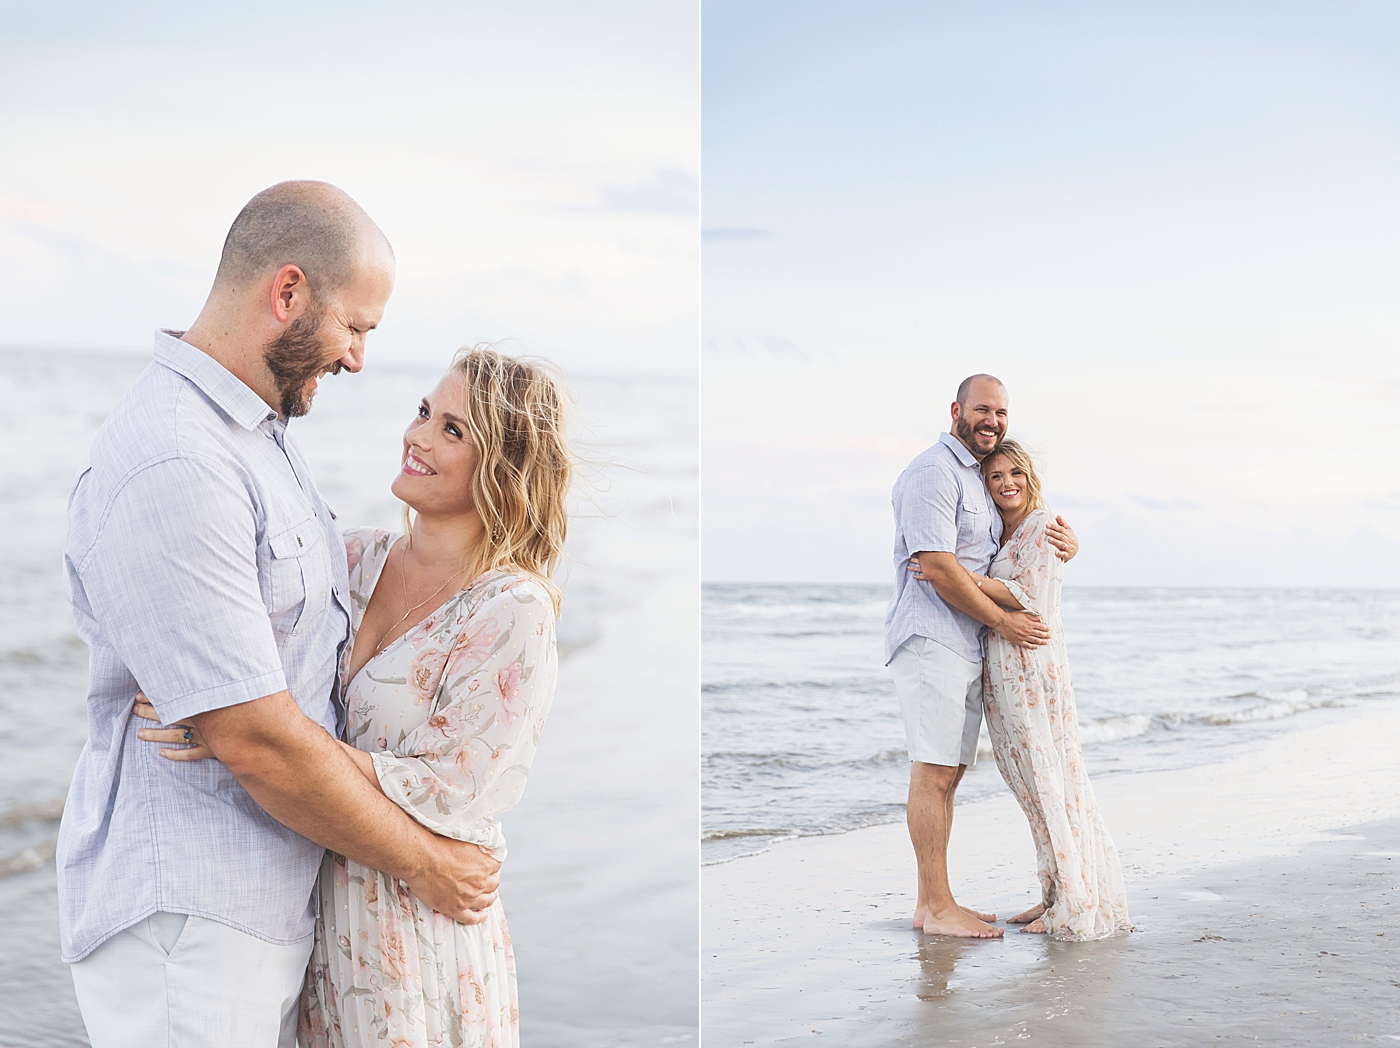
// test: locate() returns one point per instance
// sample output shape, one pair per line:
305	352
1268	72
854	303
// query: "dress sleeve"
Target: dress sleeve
469	760
1034	565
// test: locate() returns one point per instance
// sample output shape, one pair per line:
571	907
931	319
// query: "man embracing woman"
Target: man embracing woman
974	622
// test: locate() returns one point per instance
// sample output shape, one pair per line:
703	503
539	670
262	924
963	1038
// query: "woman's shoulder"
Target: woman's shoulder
366	536
502	588
366	545
1032	529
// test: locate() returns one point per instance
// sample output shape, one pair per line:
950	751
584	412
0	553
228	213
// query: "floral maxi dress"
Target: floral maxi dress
452	713
1035	740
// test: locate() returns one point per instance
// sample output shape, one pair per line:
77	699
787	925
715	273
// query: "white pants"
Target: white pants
940	697
173	981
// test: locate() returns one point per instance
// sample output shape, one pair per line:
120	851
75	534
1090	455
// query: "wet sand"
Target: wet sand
1264	890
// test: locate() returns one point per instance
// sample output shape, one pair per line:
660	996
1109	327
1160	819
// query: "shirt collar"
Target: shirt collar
227	392
959	449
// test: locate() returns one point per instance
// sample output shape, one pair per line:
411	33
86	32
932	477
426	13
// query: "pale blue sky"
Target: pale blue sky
1171	228
535	164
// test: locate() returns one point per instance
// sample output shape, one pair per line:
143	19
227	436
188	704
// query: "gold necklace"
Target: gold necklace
403	586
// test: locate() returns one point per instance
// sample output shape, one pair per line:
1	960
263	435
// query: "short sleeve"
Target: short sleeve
927	511
469	760
172	582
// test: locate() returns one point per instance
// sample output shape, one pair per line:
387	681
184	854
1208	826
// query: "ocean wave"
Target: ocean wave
1274	706
760	759
1111	729
27	859
871	685
874	609
43	811
730	835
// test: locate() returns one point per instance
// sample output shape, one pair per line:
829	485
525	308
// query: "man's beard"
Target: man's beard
965	433
295	357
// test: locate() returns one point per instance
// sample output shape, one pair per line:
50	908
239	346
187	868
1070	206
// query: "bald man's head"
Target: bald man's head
980	413
311	225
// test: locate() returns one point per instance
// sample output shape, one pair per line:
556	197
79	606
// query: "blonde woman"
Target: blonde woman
1029	702
448	677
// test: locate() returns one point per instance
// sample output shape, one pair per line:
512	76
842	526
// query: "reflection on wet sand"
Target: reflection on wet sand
938	963
1234	952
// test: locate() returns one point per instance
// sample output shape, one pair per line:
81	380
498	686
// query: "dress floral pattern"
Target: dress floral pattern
452	713
1034	729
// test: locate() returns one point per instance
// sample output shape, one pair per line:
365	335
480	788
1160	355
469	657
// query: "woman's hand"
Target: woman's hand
1063	538
192	744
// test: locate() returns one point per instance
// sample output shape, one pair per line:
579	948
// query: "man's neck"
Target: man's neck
215	336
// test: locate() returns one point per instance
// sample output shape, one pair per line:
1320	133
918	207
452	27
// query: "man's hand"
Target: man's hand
1063	538
1023	628
460	881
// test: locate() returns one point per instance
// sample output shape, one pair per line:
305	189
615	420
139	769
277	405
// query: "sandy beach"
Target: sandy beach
1263	887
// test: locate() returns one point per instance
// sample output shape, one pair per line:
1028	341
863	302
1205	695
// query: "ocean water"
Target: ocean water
601	845
801	729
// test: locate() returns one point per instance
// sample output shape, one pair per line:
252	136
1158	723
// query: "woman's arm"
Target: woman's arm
469	759
194	748
996	589
993	589
364	763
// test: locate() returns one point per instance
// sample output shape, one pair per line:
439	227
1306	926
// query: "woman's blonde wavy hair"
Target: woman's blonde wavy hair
1021	459
515	410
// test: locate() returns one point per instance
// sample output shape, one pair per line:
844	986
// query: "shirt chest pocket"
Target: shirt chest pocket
299	577
972	518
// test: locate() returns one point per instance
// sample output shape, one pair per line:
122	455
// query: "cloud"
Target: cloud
669	191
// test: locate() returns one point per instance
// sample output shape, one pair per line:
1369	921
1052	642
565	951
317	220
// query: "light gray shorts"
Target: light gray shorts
940	696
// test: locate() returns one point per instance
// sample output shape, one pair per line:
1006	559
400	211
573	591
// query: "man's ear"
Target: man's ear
953	410
290	292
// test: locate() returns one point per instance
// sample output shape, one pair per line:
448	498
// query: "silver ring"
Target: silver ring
189	736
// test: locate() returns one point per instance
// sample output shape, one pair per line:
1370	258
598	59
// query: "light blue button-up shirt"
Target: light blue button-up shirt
941	505
202	566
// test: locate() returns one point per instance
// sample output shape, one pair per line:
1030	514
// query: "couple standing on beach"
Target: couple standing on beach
974	623
316	849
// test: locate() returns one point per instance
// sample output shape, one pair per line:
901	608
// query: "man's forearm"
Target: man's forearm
301	777
951	581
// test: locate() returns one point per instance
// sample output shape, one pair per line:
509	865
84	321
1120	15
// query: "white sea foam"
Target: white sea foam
1111	729
1273	707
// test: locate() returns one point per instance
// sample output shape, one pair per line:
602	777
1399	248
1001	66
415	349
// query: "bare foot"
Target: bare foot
959	923
1036	927
1027	917
921	915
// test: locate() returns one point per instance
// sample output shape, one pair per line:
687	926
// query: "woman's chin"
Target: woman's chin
402	489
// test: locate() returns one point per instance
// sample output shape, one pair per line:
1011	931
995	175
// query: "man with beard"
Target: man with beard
203	567
946	524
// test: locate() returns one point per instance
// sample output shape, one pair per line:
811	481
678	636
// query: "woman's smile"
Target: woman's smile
412	464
